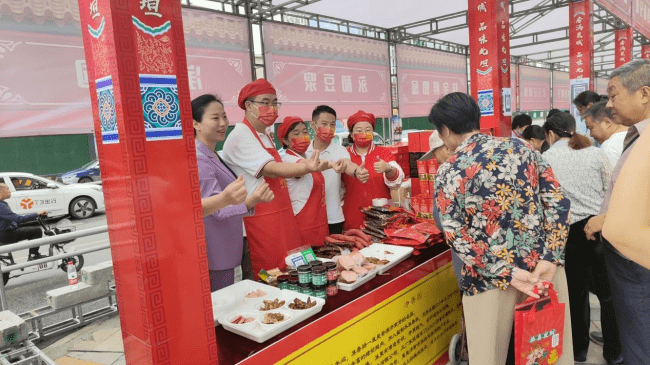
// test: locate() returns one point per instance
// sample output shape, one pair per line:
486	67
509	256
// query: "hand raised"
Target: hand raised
263	193
235	192
362	174
381	166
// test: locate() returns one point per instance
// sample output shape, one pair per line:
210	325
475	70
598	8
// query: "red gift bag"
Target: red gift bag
539	330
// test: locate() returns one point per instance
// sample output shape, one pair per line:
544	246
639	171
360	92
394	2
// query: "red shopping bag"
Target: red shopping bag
539	330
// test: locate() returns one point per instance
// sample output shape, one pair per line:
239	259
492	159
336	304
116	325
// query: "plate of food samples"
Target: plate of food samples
386	256
270	315
238	294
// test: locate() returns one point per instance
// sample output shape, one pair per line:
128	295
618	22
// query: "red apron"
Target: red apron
312	219
271	232
359	195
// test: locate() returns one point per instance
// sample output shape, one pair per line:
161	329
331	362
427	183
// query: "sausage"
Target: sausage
360	234
348	276
340	237
358	258
330	239
360	270
369	266
347	262
359	241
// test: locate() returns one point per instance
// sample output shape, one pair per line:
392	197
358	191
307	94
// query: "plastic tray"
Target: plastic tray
350	287
228	299
259	334
377	250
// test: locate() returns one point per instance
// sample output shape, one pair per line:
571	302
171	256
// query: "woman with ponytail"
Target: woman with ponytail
583	172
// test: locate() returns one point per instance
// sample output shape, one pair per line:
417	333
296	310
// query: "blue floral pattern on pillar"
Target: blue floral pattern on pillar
160	107
486	102
106	106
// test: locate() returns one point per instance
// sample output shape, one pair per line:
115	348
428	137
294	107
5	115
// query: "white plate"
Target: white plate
232	297
259	334
397	254
350	287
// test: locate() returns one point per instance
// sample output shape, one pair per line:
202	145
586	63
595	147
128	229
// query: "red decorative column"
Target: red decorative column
135	55
581	52
623	47
645	51
489	50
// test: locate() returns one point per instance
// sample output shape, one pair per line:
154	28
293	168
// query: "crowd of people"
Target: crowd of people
548	206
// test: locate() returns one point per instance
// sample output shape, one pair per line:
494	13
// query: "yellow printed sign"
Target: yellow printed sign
411	327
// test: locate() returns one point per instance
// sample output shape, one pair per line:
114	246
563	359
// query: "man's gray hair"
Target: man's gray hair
598	112
634	74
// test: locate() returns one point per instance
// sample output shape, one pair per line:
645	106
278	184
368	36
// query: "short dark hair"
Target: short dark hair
457	111
322	109
584	98
534	131
599	111
564	125
521	120
552	111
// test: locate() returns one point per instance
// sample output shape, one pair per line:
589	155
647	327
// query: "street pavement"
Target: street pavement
27	292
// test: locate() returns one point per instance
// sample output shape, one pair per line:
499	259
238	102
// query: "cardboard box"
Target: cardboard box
419	141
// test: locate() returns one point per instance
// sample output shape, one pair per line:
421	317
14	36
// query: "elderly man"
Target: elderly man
9	230
505	216
629	100
606	131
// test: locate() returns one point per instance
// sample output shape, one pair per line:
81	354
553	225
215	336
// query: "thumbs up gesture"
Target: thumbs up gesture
381	166
362	174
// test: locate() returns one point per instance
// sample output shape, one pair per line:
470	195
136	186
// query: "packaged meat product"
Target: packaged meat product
348	276
347	262
360	270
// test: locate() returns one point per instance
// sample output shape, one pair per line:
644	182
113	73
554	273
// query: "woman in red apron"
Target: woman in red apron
307	193
385	173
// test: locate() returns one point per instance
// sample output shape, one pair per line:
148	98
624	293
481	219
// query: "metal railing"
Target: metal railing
43	242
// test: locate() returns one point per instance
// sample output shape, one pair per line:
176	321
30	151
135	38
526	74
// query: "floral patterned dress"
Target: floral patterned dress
501	207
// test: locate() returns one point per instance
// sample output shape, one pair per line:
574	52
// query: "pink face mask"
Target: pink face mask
300	144
267	115
362	140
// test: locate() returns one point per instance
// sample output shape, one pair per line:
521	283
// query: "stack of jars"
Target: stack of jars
316	279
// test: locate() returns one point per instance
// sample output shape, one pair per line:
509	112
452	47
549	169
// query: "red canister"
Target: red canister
332	272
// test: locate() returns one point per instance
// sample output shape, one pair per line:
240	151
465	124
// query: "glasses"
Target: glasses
275	104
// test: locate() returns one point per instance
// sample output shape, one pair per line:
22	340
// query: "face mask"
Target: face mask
362	140
325	134
300	144
267	115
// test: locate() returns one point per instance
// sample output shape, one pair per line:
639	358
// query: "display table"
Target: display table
405	316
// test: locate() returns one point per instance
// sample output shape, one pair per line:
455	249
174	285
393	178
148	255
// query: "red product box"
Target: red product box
424	140
414	142
428	205
415	187
415	203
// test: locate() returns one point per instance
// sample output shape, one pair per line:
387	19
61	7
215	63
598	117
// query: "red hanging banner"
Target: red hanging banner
645	51
489	64
581	52
623	47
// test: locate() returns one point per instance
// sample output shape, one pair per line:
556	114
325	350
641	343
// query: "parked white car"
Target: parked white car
31	194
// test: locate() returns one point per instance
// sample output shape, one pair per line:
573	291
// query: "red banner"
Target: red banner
561	90
645	51
49	95
641	16
623	49
535	88
580	40
425	75
310	67
622	9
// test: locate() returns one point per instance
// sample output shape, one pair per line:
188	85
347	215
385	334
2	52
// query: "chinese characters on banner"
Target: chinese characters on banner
641	16
581	51
33	105
534	88
623	48
645	51
561	90
425	76
490	61
310	67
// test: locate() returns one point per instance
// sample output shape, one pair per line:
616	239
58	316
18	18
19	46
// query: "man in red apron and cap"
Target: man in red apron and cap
273	230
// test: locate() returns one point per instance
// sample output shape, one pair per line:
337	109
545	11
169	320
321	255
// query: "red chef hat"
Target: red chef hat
283	129
361	116
257	87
